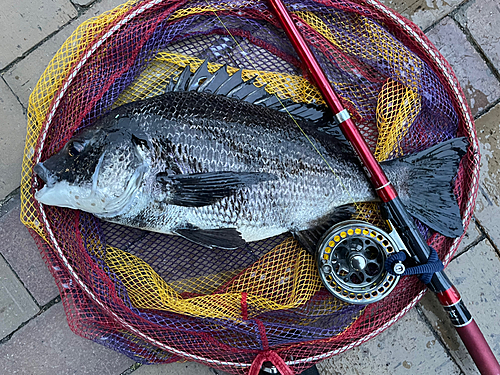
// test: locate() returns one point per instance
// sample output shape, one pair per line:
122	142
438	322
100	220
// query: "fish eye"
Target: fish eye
75	147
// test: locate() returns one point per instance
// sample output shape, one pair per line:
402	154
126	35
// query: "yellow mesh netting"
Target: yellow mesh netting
317	24
351	39
284	278
209	8
398	102
397	105
42	97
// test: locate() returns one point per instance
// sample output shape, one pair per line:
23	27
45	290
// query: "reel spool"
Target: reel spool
351	258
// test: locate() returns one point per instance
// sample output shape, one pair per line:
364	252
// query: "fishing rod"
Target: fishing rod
392	207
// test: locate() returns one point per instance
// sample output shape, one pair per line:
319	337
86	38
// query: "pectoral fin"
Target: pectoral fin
226	238
202	189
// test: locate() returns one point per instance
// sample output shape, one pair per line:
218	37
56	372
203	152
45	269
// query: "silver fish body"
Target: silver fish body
208	167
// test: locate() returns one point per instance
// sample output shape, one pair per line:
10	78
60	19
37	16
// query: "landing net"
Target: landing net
159	298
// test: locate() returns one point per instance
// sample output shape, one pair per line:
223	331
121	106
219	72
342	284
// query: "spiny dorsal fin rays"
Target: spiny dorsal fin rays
233	81
258	93
217	79
290	108
182	80
221	83
243	89
201	75
170	86
269	101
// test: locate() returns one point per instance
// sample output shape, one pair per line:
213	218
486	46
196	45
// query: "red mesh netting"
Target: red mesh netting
159	298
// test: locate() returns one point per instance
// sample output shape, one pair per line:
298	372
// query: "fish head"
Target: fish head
97	171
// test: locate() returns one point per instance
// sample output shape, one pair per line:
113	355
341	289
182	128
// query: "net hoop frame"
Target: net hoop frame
440	66
444	70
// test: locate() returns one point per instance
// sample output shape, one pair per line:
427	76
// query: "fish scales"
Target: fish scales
217	137
218	170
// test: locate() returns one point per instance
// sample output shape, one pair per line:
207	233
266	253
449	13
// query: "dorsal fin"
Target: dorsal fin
257	94
182	81
201	75
221	83
243	89
268	101
214	82
230	83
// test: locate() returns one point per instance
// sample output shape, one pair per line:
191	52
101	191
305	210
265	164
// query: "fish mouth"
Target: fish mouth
56	195
42	172
89	198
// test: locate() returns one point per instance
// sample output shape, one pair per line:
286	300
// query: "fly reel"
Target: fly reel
351	258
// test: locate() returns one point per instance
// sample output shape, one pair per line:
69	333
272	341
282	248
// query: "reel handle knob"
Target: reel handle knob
399	268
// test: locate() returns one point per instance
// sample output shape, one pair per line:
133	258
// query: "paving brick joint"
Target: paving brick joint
34	335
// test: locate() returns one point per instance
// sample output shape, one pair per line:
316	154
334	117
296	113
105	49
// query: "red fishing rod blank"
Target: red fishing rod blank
447	294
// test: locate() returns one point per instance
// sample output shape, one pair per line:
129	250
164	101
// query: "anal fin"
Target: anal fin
224	238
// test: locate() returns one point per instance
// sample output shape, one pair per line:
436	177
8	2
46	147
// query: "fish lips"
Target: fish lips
88	198
56	192
45	174
67	195
57	195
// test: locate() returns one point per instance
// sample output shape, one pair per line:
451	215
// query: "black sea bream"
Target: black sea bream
215	160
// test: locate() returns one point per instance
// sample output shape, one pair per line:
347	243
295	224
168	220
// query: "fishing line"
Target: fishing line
288	112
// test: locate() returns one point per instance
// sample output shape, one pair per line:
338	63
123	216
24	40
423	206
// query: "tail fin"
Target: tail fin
427	186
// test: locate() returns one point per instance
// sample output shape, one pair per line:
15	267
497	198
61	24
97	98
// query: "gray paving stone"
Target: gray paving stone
487	210
23	76
423	13
24	23
20	250
482	18
16	305
185	368
407	347
472	235
480	86
475	274
46	346
12	136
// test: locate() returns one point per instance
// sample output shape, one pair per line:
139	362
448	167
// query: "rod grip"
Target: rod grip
479	349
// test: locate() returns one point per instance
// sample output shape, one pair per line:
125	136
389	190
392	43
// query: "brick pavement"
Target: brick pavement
34	336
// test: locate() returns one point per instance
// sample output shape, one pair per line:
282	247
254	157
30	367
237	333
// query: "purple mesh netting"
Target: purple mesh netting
358	77
171	258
